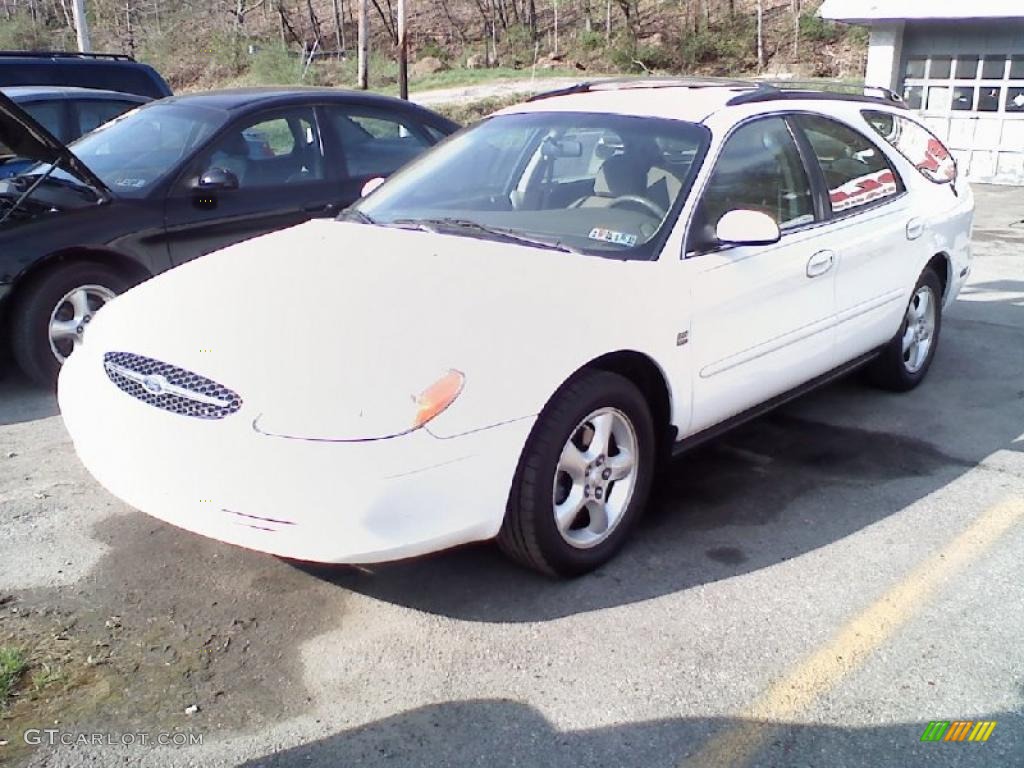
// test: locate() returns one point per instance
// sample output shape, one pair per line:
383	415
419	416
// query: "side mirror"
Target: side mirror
371	185
216	178
745	227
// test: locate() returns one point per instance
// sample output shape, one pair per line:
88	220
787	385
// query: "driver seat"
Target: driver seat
618	175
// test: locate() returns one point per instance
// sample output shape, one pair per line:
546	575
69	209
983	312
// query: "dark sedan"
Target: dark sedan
170	181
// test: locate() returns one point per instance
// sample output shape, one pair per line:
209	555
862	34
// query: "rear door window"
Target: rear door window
50	115
856	171
916	143
92	113
375	143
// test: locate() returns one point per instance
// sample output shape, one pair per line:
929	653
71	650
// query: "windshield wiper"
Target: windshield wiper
354	214
476	229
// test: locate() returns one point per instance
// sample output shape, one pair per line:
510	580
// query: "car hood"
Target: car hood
22	136
330	330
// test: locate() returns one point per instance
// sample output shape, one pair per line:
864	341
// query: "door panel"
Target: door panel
763	315
761	325
278	160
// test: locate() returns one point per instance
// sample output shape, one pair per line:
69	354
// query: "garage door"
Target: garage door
975	103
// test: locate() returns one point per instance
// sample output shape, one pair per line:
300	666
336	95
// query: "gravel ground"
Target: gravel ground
758	552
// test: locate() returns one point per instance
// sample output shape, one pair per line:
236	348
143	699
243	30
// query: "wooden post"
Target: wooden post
339	31
555	3
81	26
403	54
363	64
760	35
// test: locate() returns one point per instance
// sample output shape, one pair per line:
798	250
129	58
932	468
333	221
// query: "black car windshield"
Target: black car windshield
598	183
134	151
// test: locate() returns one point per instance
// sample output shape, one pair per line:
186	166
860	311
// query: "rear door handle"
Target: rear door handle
820	263
915	228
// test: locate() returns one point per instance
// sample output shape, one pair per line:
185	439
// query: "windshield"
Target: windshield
134	151
599	183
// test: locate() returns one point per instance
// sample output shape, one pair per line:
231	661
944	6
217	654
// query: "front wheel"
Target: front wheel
584	477
53	312
903	363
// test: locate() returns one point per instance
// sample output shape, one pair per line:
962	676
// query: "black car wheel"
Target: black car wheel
53	311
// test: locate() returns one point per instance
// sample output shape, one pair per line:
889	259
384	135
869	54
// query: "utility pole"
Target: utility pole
81	25
363	59
760	35
403	54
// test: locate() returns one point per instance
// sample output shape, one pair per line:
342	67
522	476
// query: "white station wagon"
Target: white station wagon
505	338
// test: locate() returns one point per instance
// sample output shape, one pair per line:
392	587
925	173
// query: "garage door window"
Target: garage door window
857	173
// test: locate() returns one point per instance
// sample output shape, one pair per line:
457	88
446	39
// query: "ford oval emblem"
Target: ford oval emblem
154	384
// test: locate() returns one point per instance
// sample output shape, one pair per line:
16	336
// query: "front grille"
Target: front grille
168	387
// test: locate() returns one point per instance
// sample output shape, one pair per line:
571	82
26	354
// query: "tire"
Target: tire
897	369
530	534
44	296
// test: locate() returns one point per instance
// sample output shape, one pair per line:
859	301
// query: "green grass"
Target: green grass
12	665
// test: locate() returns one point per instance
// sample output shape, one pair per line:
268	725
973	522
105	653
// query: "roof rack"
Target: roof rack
775	90
67	55
651	81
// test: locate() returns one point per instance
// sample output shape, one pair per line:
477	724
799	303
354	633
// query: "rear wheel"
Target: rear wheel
903	363
584	477
50	318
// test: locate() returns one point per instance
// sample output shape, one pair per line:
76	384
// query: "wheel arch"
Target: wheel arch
650	379
943	266
128	266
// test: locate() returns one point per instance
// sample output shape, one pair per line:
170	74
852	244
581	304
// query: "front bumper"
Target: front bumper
328	502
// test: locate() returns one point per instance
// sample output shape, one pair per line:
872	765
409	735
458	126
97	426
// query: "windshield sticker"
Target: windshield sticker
611	236
136	183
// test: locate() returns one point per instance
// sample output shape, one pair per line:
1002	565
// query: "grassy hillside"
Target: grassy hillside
198	44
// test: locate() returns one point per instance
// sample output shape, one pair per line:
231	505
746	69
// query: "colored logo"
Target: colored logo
958	730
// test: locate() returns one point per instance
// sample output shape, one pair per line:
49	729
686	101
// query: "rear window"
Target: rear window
916	143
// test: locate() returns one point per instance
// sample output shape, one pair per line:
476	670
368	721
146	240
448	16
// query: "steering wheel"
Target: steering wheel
654	208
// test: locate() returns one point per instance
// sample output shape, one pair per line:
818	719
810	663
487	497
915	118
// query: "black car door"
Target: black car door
365	142
268	172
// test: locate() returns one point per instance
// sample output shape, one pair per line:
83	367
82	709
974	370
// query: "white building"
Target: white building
961	63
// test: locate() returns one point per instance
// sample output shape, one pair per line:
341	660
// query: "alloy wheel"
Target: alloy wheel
595	477
72	314
919	329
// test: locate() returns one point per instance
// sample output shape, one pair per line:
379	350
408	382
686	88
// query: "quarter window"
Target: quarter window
916	143
758	169
856	172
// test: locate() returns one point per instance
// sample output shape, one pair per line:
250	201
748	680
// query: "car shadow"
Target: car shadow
22	401
801	478
493	732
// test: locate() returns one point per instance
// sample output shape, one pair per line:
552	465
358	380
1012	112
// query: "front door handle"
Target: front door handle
820	263
326	209
915	228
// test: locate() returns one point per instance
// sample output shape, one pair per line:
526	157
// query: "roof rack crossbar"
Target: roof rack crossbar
67	55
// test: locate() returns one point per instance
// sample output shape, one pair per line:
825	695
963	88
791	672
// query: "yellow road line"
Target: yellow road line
851	645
